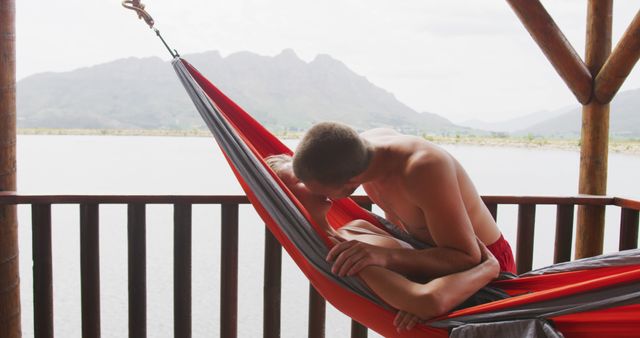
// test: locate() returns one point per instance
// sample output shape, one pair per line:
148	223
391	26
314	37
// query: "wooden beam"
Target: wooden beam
595	134
555	47
9	272
619	64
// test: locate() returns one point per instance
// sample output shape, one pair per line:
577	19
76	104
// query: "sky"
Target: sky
461	59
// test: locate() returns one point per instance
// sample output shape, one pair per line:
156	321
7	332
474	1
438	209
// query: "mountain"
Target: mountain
515	124
282	92
567	121
624	119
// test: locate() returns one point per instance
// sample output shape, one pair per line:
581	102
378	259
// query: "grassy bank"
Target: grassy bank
627	146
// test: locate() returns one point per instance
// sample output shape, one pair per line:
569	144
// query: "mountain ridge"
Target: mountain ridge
282	92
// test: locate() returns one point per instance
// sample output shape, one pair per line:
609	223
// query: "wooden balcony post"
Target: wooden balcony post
358	330
9	274
317	314
182	270
90	269
42	271
493	209
137	269
524	241
628	229
619	64
595	135
555	47
229	271
272	285
564	233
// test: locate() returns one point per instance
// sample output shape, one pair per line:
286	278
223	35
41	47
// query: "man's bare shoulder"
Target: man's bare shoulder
428	166
427	158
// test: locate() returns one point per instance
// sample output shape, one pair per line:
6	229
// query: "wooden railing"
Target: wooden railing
182	206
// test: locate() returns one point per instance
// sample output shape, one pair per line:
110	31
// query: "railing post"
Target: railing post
272	285
42	271
229	271
137	269
90	270
526	231
317	314
564	233
358	330
628	229
493	209
182	270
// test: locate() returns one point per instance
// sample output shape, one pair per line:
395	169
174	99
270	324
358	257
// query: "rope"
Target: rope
138	7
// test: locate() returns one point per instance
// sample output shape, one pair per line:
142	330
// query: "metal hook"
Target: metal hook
135	5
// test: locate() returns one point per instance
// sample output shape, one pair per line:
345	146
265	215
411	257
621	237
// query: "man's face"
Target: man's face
333	191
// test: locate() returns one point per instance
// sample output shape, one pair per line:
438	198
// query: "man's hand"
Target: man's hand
488	258
405	321
349	257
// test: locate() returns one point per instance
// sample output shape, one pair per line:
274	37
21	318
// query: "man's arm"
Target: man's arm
433	186
433	298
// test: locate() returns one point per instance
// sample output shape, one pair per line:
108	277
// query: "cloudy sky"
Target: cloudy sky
462	59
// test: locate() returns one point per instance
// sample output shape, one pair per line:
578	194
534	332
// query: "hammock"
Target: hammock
593	297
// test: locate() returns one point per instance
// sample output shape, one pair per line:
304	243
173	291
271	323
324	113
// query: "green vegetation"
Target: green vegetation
616	145
627	146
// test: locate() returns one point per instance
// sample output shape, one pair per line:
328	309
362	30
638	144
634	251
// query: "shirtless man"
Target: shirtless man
413	300
420	187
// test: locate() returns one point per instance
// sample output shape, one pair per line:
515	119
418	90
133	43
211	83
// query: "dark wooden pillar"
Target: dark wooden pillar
595	134
9	276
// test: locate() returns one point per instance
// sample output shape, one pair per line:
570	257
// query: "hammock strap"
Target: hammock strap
293	224
138	7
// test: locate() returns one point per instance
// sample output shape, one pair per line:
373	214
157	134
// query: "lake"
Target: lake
183	165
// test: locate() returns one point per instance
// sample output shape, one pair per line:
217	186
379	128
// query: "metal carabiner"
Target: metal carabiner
135	5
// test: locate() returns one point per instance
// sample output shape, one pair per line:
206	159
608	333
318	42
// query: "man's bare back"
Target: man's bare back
391	193
420	187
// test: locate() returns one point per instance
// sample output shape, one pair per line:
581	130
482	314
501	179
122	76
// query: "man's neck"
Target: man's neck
381	166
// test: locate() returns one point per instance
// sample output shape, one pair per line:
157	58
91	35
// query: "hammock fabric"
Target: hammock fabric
588	298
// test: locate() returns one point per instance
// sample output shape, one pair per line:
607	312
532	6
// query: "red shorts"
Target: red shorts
502	250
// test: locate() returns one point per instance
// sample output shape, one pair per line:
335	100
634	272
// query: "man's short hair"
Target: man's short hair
331	153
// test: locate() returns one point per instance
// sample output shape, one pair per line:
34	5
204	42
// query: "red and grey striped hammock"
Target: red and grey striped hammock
595	297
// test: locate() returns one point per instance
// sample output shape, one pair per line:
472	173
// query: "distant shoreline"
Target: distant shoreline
631	146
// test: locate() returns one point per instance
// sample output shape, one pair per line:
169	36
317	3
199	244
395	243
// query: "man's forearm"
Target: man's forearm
429	263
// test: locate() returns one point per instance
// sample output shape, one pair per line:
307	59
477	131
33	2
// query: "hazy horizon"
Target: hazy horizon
458	59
